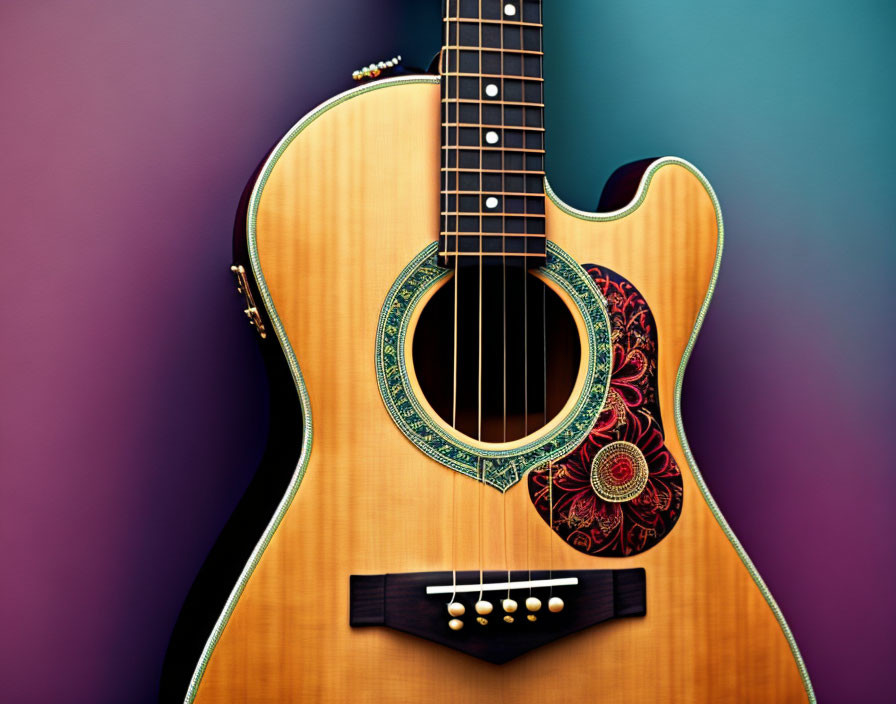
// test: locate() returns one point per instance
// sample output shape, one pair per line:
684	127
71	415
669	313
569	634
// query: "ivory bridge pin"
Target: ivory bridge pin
483	607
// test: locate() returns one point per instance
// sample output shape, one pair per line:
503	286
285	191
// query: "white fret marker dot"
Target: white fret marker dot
491	203
491	137
491	90
509	10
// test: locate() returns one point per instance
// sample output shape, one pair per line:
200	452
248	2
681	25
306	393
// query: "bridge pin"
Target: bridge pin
455	608
482	621
555	604
483	607
455	624
533	603
509	605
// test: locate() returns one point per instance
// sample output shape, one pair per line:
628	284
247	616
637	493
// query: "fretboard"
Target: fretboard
492	205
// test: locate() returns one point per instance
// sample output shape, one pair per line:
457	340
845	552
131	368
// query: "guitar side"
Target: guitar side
341	206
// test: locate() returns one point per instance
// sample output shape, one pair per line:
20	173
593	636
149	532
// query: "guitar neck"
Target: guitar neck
492	204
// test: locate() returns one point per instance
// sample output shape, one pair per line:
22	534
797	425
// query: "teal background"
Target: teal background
133	407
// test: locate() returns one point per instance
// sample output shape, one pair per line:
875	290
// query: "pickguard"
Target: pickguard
576	494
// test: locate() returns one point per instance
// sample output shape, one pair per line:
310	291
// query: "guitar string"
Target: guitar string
544	335
504	295
481	274
525	299
446	56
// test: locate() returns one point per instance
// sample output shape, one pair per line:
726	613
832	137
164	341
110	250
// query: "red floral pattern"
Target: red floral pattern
631	414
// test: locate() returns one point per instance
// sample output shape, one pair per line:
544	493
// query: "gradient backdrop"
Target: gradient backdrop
133	397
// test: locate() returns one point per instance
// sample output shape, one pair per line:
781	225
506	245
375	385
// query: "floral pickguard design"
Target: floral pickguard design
631	415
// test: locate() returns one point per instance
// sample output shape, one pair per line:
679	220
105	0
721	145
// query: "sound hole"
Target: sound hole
529	350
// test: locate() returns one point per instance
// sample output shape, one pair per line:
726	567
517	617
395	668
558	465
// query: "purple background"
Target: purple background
133	405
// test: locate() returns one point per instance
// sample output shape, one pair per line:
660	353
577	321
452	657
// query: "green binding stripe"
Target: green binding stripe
296	480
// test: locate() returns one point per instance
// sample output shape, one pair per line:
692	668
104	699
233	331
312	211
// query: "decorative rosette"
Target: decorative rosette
620	492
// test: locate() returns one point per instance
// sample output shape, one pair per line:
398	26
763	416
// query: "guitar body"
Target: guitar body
342	206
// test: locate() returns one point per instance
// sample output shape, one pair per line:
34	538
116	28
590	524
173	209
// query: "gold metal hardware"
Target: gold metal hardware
374	70
242	286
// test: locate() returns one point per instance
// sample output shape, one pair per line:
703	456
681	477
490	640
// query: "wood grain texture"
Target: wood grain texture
349	203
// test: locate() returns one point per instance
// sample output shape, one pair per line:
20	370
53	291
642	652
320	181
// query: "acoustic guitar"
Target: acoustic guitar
477	486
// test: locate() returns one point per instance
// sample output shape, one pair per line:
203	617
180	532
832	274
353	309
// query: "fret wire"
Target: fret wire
456	47
495	149
497	127
496	171
491	254
500	214
493	75
504	76
530	235
476	20
493	102
539	194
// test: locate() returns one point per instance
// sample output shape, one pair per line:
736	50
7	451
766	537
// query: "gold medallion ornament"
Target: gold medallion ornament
619	472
